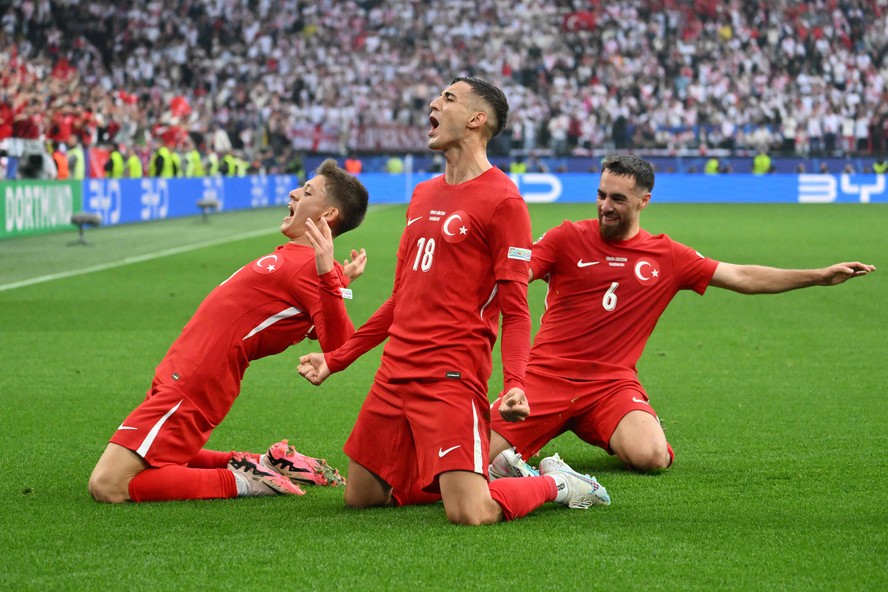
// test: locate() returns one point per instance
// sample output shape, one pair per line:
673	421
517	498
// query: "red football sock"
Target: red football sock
210	459
671	454
520	497
175	482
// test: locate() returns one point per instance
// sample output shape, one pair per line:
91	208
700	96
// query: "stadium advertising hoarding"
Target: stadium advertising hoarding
34	207
696	188
122	201
669	188
37	207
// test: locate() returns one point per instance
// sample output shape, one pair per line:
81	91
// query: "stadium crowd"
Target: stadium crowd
259	83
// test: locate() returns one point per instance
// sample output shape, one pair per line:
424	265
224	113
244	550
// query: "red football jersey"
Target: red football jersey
261	310
604	299
443	316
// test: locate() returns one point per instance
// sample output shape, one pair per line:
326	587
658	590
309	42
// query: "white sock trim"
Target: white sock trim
242	483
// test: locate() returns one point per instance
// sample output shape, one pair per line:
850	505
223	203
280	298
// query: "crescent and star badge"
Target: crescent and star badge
647	272
456	227
268	264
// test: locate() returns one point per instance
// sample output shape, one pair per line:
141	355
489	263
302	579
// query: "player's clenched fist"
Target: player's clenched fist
514	406
313	367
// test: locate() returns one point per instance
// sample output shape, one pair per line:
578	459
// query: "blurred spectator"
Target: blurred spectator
394	165
815	135
353	165
211	163
193	161
862	131
789	133
620	133
60	158
832	123
232	165
163	164
761	164
115	166
76	158
558	127
712	166
847	132
437	165
134	168
881	165
176	157
295	165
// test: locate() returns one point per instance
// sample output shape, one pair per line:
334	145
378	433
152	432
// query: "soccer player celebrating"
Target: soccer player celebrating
277	300
422	433
609	282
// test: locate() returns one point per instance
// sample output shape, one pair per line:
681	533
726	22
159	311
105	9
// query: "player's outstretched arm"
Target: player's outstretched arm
514	406
757	279
354	268
313	367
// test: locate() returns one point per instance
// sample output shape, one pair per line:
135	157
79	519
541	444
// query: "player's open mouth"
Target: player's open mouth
290	211
434	122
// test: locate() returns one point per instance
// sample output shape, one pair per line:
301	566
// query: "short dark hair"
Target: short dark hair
346	193
493	97
627	165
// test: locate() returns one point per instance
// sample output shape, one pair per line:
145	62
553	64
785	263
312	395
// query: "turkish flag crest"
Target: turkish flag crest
268	264
456	227
647	272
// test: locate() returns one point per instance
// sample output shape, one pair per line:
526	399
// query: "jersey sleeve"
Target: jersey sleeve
510	241
344	281
694	270
546	250
515	343
331	321
371	333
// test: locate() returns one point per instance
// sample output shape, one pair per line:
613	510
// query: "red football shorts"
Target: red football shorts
590	409
167	428
408	433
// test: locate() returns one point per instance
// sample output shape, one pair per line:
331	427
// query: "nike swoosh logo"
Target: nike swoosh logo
442	452
637	400
412	220
582	263
126	427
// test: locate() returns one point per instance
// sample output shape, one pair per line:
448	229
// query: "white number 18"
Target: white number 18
425	255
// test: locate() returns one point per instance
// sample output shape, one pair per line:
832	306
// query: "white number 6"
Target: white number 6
609	302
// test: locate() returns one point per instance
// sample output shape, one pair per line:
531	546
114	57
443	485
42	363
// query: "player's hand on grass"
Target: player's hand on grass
313	367
841	272
355	267
514	406
321	238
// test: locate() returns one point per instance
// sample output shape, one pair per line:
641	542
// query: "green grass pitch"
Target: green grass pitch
776	407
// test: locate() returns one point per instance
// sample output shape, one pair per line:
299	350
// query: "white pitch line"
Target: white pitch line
130	260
